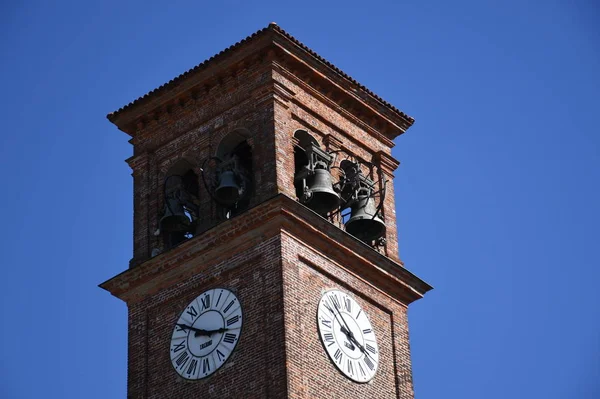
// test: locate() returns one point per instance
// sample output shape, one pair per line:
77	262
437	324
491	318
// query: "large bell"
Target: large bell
174	219
362	224
228	192
321	197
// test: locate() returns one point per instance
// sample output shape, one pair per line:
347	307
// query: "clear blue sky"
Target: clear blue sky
498	193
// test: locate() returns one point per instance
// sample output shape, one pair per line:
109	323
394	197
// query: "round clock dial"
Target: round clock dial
206	334
347	336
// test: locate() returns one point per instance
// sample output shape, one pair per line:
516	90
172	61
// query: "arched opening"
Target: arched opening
180	211
312	178
231	174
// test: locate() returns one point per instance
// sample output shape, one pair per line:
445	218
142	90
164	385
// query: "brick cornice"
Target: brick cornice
386	162
275	216
268	45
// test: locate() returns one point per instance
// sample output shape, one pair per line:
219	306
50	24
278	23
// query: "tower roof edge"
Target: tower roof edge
124	115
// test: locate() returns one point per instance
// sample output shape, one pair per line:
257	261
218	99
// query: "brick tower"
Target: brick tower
265	259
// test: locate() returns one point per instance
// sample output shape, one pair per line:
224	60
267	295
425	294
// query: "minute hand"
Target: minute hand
350	334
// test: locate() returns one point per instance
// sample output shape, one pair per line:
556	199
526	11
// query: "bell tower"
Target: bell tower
265	261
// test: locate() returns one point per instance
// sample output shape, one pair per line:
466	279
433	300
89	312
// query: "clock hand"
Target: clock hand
220	330
362	348
345	330
198	331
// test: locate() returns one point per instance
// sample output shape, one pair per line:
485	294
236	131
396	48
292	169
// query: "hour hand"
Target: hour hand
198	331
220	330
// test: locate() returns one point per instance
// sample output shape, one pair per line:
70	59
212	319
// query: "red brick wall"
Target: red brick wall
256	368
306	273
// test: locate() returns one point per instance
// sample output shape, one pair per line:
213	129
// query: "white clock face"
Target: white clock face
347	336
206	334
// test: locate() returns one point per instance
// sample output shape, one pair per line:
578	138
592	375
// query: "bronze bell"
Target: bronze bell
228	192
174	218
362	224
320	196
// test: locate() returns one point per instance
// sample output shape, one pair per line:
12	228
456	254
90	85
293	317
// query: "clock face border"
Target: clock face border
331	340
233	348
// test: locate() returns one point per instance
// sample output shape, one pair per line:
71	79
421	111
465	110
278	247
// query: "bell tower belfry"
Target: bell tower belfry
265	260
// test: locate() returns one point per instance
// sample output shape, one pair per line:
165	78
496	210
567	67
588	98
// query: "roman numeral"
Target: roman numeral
328	306
219	298
328	337
349	367
371	349
338	356
192	311
205	365
192	367
348	304
233	320
179	347
228	306
220	355
335	301
358	314
181	359
367	331
368	362
229	338
362	371
205	302
179	328
326	323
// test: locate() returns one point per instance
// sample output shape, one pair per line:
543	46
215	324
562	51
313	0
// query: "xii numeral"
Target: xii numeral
205	302
335	301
